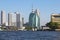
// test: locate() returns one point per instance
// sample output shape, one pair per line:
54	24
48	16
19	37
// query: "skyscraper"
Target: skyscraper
22	21
15	20
18	20
3	17
34	19
12	19
37	16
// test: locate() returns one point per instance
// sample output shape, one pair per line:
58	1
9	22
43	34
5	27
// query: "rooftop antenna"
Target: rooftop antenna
32	8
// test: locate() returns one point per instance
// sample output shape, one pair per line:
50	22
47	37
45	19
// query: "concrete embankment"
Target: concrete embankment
57	29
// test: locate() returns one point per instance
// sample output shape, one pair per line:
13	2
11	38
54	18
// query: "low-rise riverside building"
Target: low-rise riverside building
56	18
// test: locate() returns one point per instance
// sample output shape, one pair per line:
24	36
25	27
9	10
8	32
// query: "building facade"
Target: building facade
14	19
34	19
11	19
3	17
22	21
55	18
18	20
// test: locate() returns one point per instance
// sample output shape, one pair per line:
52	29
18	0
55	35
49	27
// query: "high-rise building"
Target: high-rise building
18	20
22	21
34	19
15	20
3	17
11	19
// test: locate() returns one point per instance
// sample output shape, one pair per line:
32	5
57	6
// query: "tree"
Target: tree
3	26
52	25
28	28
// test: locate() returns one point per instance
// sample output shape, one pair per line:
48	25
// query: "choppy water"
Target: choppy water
30	35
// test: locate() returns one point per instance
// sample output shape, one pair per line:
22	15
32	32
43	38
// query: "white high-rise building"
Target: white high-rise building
3	17
11	19
15	20
18	20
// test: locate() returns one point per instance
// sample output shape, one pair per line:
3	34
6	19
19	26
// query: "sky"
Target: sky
46	8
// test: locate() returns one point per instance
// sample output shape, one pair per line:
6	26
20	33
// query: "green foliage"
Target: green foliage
28	28
52	25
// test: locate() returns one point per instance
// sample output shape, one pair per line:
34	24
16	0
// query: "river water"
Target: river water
29	35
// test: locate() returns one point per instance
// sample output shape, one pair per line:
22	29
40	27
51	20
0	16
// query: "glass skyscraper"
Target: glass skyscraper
34	19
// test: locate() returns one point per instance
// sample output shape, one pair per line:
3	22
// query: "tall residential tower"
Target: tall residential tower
18	20
11	19
3	17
